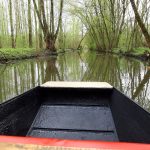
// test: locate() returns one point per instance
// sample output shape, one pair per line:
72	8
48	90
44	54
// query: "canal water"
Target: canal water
130	76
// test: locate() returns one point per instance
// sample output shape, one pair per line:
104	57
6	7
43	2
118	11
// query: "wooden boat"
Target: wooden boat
91	112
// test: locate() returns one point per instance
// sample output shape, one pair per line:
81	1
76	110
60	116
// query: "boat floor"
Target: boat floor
74	122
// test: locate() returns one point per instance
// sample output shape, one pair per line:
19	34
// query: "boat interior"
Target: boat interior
75	113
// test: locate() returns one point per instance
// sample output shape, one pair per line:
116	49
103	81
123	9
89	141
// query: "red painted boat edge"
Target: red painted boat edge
74	143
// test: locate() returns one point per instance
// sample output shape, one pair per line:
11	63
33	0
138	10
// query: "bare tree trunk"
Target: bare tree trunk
50	43
52	17
61	37
30	24
50	35
36	32
1	42
11	24
60	19
140	23
40	30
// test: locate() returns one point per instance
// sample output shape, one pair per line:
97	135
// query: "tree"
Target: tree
30	24
11	25
104	22
49	32
40	30
140	23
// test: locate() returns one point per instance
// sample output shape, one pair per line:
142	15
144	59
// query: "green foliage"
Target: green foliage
90	42
18	53
106	26
141	51
72	36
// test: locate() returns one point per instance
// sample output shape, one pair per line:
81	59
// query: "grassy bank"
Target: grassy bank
140	53
7	54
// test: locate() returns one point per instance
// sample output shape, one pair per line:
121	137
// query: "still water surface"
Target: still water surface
128	75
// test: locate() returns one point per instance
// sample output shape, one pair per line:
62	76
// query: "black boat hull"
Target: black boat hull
75	113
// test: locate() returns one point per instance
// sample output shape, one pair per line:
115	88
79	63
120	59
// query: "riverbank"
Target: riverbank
138	53
10	54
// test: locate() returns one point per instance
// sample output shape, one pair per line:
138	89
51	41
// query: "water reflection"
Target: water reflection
51	70
128	75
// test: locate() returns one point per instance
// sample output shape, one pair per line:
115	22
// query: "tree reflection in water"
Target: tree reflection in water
51	70
128	75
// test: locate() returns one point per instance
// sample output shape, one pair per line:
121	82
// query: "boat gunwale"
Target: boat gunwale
66	144
132	101
18	96
80	85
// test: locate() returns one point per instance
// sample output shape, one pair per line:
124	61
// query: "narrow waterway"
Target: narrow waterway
128	75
